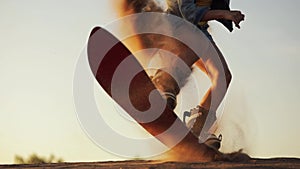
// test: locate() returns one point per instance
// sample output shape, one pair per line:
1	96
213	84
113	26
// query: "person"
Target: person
203	117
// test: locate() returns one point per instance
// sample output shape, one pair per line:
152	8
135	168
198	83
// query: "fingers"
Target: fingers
237	18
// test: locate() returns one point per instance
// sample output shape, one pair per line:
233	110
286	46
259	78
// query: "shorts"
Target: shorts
204	29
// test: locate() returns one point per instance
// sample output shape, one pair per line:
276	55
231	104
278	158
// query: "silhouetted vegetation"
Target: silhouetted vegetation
35	159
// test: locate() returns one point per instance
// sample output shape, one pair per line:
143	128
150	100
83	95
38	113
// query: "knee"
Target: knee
220	77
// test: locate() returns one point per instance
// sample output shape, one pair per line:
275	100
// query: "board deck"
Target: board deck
135	101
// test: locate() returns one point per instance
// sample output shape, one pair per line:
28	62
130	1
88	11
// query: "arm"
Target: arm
235	16
193	13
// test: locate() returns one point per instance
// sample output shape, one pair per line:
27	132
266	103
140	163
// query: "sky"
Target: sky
41	42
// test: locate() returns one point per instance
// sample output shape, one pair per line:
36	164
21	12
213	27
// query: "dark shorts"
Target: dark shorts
204	29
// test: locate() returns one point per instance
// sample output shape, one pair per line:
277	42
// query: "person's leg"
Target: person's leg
167	87
207	67
177	67
220	77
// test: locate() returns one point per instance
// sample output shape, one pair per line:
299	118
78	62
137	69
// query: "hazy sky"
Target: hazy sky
40	43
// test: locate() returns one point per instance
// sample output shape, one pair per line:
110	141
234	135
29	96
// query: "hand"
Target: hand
236	17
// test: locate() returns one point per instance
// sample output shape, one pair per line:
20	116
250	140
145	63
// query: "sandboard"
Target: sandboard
104	68
187	148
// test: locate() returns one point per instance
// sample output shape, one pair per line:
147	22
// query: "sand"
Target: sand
275	163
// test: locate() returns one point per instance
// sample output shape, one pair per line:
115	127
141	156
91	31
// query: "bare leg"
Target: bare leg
208	66
214	72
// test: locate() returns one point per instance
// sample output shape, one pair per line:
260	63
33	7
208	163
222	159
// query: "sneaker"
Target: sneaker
213	141
196	120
